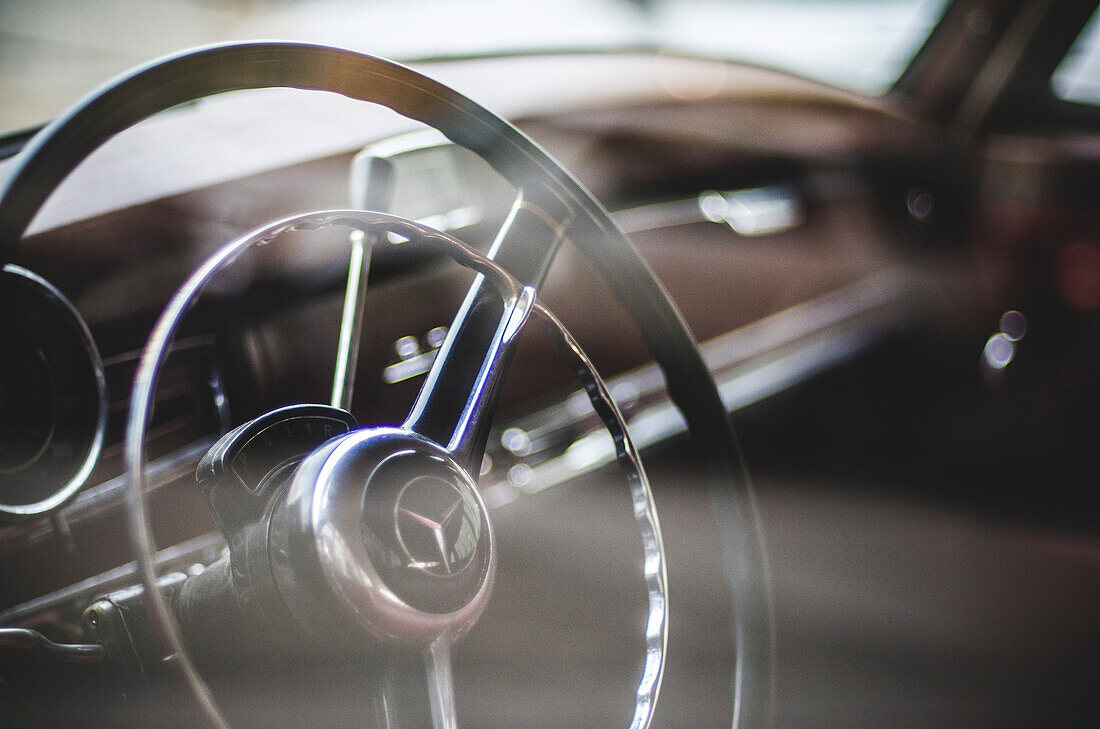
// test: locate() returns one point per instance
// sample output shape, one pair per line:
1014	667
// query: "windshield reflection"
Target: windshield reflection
52	52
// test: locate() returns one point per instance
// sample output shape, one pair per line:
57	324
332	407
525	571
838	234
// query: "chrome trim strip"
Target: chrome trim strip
552	445
108	495
749	212
200	550
409	368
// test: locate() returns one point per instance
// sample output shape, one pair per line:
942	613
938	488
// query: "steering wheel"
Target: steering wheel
429	458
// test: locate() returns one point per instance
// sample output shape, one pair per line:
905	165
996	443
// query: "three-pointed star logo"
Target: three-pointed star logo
429	525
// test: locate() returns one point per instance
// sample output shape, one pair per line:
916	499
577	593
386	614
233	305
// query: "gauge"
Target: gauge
53	405
251	462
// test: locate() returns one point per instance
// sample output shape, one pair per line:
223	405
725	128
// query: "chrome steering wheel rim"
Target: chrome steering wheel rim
548	191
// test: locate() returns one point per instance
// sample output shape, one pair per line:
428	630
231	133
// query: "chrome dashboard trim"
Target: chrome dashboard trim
549	446
749	212
108	495
182	556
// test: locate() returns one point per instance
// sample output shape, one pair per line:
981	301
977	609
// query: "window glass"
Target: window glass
1077	77
54	51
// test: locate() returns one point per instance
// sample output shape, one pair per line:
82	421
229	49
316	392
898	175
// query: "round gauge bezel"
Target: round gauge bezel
78	328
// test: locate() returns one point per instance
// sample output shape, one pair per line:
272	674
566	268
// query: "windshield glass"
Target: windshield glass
54	51
1077	77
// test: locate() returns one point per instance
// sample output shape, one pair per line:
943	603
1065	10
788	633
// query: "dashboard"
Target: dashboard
241	355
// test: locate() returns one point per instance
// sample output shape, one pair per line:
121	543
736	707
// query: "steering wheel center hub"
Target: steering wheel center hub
397	531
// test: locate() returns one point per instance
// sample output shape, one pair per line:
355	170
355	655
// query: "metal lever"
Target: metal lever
371	185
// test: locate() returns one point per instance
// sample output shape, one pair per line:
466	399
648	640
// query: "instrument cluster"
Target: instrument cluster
53	405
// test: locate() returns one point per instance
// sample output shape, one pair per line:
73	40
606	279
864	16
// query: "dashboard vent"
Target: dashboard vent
190	404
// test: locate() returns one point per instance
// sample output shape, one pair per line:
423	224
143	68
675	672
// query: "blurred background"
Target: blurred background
54	51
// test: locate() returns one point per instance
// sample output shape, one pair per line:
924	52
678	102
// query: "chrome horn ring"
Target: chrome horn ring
436	636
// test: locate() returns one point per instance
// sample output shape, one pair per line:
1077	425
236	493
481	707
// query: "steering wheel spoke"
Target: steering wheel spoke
459	396
409	691
457	401
441	686
351	322
372	189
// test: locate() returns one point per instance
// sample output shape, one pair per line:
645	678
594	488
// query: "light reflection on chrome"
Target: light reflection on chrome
1013	325
759	211
999	351
1000	348
752	212
921	204
414	361
521	476
516	441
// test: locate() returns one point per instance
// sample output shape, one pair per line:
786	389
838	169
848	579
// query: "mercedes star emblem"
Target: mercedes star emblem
436	525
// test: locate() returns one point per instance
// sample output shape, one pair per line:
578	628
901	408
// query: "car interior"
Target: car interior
606	383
